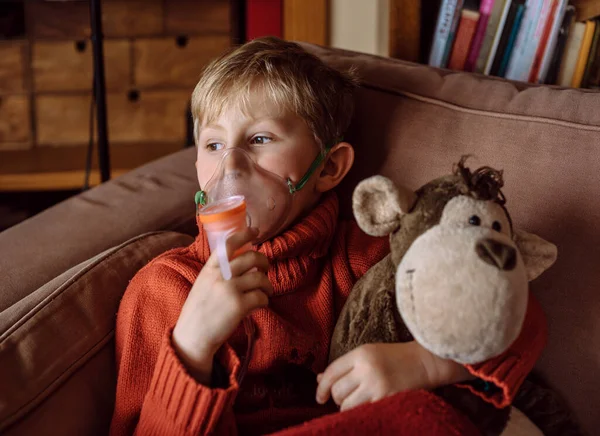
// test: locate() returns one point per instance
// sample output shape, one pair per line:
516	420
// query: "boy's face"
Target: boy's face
276	140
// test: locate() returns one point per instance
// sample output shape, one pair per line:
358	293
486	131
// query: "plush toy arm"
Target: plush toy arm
370	313
506	372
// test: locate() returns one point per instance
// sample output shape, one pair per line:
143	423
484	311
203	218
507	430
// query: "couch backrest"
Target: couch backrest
413	122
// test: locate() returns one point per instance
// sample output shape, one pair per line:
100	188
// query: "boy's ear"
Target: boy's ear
538	254
337	164
378	205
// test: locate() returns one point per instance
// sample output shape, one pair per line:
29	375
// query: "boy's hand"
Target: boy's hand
374	371
215	307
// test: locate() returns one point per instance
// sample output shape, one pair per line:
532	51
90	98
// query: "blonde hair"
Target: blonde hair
292	78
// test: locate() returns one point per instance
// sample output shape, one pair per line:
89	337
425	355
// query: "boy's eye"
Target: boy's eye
261	139
214	146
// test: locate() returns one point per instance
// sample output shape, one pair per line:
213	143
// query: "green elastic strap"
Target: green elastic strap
200	199
318	161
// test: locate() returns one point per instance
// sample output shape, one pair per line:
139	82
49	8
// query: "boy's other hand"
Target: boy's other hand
215	307
374	371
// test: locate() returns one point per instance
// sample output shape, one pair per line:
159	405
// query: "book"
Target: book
263	18
561	42
552	41
507	40
584	53
543	44
521	59
484	16
452	34
592	57
567	67
490	33
497	37
593	79
464	36
443	29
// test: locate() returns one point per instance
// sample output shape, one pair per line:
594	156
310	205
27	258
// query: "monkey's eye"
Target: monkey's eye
475	220
497	226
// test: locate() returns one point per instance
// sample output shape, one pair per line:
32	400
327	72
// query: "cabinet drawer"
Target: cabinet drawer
68	66
12	67
15	121
120	18
175	61
192	17
154	116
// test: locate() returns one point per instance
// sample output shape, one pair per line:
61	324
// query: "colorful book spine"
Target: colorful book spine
485	11
543	41
464	36
518	67
452	34
490	33
584	53
512	39
593	79
443	28
569	62
561	43
552	40
497	37
592	56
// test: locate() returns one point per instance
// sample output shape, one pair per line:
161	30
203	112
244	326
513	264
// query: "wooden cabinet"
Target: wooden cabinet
67	66
12	67
15	122
154	53
175	62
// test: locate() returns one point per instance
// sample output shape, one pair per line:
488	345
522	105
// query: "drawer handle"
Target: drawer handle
80	46
181	41
133	95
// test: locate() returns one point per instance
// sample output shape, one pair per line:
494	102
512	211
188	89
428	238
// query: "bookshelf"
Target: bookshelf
554	42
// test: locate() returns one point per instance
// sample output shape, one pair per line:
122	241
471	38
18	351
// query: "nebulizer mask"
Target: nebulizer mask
241	193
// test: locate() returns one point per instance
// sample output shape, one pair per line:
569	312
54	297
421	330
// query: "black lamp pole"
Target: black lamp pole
100	89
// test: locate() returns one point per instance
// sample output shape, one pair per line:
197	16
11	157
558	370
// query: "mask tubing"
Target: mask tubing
222	257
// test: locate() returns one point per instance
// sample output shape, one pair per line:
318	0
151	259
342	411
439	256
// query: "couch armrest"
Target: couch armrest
156	196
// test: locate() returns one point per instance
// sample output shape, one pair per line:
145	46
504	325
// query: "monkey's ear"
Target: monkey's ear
538	254
378	205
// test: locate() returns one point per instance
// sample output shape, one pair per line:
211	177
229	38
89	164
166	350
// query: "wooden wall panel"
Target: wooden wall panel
15	121
132	18
164	62
64	66
156	116
193	17
306	20
12	67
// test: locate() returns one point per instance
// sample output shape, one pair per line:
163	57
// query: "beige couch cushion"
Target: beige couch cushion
413	122
57	371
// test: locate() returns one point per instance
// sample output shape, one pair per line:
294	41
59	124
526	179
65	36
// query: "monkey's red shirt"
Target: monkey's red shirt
313	267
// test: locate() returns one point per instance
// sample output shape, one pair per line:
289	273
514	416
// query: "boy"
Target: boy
268	120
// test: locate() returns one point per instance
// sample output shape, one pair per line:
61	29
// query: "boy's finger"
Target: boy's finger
345	386
339	368
251	281
356	398
253	300
234	242
248	260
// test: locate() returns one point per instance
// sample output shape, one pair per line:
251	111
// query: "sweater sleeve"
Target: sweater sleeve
504	374
155	394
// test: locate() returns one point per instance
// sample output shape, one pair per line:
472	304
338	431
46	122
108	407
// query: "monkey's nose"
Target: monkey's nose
495	253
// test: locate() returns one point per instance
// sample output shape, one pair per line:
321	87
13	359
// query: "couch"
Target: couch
64	270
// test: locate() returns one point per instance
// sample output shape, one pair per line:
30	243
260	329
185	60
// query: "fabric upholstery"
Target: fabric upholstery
56	346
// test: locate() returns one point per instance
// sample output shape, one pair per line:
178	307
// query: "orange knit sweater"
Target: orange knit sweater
313	267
